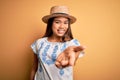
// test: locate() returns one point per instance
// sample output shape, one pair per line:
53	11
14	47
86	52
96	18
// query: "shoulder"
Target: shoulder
38	43
41	40
74	42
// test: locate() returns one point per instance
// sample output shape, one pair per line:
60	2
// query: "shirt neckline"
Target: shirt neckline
46	38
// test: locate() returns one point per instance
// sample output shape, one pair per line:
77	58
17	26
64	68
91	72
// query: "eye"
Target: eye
57	22
66	22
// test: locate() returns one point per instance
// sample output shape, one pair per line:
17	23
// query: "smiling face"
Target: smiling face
59	26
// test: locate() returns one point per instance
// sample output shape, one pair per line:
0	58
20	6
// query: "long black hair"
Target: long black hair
67	36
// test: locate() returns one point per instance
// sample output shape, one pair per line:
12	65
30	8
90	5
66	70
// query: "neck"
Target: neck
55	39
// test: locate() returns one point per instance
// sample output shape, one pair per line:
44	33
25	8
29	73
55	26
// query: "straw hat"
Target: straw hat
59	11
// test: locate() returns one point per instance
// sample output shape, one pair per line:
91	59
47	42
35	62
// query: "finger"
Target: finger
57	64
64	62
60	57
72	59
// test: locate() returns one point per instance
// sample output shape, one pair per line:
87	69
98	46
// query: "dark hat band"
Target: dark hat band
60	13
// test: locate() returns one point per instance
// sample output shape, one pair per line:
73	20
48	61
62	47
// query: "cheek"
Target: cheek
66	27
54	28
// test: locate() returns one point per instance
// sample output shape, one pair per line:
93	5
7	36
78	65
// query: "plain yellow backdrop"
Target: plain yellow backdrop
97	27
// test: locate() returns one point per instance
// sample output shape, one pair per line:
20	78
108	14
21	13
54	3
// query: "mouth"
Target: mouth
61	31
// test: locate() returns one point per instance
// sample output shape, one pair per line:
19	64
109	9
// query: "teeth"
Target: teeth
60	31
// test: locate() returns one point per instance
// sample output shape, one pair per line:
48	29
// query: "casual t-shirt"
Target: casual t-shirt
47	53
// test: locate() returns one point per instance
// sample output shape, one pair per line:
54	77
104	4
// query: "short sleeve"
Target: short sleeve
75	42
33	46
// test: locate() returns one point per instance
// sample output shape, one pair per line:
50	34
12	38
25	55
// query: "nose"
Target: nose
62	25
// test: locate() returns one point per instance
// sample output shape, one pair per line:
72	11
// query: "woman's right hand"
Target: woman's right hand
69	56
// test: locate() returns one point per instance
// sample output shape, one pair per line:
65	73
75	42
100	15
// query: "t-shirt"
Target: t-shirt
47	53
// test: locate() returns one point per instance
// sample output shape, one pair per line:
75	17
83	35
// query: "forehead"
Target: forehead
61	18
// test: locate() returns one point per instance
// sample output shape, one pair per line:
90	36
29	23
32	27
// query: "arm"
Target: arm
79	49
34	67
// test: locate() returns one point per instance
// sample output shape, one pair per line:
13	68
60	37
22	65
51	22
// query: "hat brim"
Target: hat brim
46	18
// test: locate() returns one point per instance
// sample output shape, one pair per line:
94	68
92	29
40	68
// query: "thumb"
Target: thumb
79	48
71	59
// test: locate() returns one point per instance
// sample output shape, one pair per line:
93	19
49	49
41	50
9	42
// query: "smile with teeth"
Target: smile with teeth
61	31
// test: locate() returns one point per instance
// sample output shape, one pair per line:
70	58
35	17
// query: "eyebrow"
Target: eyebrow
57	20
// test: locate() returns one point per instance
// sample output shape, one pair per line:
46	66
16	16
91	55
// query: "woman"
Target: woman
56	52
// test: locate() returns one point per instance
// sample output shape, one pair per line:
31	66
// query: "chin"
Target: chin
60	35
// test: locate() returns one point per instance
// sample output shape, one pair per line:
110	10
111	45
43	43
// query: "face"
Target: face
59	26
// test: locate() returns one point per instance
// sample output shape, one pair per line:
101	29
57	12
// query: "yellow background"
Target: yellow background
97	27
